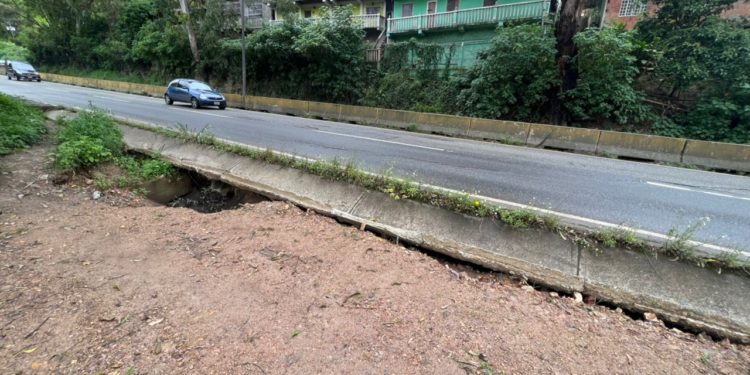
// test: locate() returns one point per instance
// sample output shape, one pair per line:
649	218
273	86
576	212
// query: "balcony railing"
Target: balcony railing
467	17
371	21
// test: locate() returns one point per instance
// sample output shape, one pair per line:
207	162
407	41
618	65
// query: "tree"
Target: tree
189	28
568	25
702	65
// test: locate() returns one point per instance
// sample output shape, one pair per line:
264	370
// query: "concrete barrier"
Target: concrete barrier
700	300
234	100
424	122
277	105
678	292
328	111
727	156
358	114
641	146
564	138
499	130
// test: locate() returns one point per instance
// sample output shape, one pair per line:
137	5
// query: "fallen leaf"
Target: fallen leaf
29	351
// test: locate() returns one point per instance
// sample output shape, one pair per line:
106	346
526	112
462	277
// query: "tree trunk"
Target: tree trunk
568	25
191	33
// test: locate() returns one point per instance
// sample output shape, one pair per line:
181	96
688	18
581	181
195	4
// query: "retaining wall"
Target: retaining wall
723	156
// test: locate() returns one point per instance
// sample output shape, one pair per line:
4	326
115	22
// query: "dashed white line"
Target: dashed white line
683	188
207	114
381	140
109	98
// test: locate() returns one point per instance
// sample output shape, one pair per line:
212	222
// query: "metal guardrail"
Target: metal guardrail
466	17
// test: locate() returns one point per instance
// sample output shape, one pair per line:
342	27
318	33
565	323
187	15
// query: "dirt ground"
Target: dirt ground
123	286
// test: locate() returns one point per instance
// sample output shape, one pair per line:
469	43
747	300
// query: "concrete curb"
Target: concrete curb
723	156
678	292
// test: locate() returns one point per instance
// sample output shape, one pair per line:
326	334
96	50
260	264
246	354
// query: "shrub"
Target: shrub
20	125
94	124
90	139
606	73
514	78
82	152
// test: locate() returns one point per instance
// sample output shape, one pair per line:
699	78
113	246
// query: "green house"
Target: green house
467	25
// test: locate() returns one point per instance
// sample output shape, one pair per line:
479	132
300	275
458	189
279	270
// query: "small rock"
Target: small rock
618	310
554	294
704	337
675	330
20	196
527	288
96	195
578	297
89	181
649	316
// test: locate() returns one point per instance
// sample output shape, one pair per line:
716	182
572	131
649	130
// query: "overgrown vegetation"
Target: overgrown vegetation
513	79
94	138
21	125
415	76
683	72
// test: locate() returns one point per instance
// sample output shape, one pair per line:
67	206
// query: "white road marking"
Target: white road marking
381	140
204	113
683	188
594	222
110	98
508	204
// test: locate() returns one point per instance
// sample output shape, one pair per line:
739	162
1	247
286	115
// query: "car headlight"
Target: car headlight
204	97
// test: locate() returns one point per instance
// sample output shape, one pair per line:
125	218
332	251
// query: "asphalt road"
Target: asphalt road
639	195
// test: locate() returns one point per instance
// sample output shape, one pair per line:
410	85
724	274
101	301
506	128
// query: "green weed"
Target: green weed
21	125
102	184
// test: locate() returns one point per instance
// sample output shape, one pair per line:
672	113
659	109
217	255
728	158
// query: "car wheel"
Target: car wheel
223	106
194	103
168	100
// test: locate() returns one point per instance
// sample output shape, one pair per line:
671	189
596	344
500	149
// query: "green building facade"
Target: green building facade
465	25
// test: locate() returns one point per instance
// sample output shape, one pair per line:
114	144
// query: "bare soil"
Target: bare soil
123	286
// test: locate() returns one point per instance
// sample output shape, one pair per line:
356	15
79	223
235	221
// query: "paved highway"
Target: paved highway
645	196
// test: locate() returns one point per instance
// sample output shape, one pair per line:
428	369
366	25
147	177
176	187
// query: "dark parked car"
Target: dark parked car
21	70
197	93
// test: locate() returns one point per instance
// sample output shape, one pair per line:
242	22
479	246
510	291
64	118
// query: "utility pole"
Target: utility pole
244	62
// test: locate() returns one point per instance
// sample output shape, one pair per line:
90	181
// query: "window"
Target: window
407	10
632	8
308	13
372	10
451	6
489	3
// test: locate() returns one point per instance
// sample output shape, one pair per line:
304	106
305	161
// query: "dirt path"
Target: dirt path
123	286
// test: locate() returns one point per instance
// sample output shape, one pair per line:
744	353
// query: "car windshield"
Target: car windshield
200	86
22	66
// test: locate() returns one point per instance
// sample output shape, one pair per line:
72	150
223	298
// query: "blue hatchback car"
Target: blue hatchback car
197	93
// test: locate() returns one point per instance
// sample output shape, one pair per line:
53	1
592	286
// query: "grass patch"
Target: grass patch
139	171
21	125
462	203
